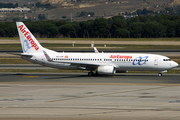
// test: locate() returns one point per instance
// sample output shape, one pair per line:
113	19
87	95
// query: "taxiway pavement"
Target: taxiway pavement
35	66
76	96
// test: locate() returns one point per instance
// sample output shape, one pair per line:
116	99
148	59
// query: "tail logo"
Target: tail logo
28	36
26	45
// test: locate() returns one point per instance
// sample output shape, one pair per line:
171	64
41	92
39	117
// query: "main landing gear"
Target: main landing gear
90	73
159	74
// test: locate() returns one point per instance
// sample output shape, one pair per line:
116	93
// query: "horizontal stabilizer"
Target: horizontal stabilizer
21	54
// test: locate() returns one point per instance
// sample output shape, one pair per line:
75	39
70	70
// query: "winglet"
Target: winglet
95	50
47	56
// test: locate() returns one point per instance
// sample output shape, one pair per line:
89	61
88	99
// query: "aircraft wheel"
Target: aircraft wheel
160	74
90	73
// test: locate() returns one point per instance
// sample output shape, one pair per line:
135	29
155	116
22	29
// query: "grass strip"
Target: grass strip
13	61
55	46
102	39
42	71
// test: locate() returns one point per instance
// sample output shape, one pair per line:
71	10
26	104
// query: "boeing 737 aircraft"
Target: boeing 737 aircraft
103	63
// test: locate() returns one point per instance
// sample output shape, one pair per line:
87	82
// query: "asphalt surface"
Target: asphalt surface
84	78
34	67
76	96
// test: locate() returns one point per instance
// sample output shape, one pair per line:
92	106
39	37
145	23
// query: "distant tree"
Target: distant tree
47	5
118	17
165	17
178	30
77	28
2	32
110	22
136	29
139	12
63	16
67	30
168	9
86	28
36	28
133	19
52	31
101	28
122	33
143	19
171	27
10	29
16	5
8	5
60	22
38	4
41	17
43	28
118	23
157	18
154	29
144	12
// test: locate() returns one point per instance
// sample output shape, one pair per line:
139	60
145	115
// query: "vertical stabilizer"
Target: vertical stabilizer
28	42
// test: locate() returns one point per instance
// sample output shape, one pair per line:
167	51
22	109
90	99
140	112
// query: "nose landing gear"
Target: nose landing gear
159	74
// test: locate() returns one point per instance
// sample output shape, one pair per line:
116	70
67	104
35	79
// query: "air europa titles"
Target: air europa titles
28	36
121	56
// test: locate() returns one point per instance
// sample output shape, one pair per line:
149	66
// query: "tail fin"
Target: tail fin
28	41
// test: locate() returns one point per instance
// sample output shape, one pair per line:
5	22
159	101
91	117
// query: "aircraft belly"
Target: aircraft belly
134	67
64	66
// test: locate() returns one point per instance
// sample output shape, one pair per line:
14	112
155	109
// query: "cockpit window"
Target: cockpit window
166	59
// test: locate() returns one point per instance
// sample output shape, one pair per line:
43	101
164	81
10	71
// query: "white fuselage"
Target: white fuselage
121	61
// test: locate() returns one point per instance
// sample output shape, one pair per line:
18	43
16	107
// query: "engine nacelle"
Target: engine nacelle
106	70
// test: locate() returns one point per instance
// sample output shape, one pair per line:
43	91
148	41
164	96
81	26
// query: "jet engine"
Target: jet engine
106	70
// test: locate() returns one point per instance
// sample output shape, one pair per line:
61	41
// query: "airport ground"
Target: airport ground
76	96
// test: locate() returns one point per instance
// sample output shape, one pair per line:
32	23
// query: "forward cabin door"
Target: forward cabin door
156	61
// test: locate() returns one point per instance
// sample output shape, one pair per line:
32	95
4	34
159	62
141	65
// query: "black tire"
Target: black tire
160	74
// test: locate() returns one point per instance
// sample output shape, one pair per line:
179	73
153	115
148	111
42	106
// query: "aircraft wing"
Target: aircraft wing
80	64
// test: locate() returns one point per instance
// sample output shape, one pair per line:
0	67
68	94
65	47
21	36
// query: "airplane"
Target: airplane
102	63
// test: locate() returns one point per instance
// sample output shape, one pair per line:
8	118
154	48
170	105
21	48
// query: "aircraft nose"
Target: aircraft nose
174	64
